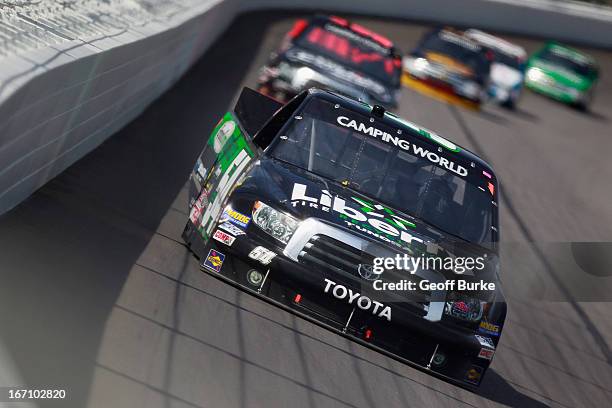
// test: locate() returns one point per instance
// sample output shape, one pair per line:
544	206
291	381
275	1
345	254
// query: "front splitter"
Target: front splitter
258	294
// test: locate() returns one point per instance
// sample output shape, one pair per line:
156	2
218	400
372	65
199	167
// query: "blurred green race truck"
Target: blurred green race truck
562	73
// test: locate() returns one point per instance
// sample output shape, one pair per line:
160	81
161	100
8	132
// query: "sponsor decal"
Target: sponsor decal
214	260
199	172
370	218
235	217
491	188
486	354
485	341
357	299
470	309
231	228
489	328
461	307
262	254
223	134
228	166
474	374
367	272
227	180
435	158
197	207
224	238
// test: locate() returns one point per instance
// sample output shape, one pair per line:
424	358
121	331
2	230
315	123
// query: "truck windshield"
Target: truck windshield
507	59
404	173
569	60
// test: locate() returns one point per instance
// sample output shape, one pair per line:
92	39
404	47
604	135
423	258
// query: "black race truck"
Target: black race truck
301	204
333	53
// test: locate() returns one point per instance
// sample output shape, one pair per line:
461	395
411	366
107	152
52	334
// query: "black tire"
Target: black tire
509	104
581	106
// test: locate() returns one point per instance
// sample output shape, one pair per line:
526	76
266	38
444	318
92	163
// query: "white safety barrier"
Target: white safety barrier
73	73
554	19
96	70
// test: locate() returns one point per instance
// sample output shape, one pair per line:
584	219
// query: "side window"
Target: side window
264	137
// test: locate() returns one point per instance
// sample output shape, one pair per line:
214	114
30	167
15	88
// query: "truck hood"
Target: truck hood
305	195
443	69
562	75
331	74
450	64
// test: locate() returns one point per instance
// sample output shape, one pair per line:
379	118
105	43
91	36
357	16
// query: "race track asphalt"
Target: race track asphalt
98	294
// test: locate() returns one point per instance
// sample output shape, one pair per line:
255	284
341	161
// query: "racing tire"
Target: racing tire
509	104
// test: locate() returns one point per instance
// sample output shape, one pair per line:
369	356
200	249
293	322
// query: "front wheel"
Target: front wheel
582	106
509	104
584	103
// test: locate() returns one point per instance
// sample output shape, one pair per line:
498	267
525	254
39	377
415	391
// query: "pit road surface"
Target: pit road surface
100	296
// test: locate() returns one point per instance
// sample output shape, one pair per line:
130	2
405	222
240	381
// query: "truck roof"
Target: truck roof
497	43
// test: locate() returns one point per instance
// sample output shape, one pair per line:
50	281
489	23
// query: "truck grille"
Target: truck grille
342	261
328	253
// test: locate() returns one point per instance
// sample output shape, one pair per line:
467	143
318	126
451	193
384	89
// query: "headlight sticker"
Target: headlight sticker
474	374
224	237
262	254
485	341
488	348
235	217
223	134
231	228
213	261
489	328
487	354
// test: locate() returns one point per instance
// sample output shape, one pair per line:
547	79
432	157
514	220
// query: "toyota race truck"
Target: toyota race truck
449	66
564	74
507	68
297	204
333	53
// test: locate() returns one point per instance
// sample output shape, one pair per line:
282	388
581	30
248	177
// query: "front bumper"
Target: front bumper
504	95
443	349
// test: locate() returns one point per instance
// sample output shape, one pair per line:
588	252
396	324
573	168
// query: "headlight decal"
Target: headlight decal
235	217
464	308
